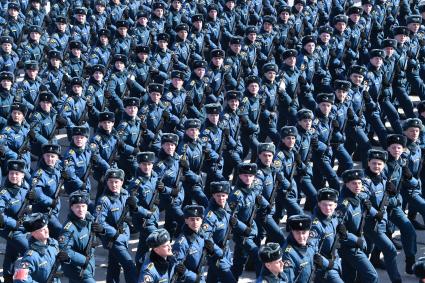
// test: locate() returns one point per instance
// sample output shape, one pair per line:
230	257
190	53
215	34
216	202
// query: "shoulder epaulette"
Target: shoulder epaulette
288	249
150	265
67	225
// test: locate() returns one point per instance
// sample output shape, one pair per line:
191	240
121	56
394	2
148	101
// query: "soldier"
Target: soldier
101	52
141	32
197	91
235	63
47	182
216	74
218	224
28	90
6	96
354	206
159	266
190	247
77	241
157	22
182	47
245	199
114	232
142	67
162	58
12	206
74	65
8	58
273	265
39	260
123	42
96	101
79	159
298	250
15	27
198	36
59	40
80	30
54	77
33	49
76	106
376	188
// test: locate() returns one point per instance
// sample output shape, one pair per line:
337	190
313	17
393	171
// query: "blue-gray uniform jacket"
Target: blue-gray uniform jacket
52	78
193	150
250	110
28	92
59	41
156	269
96	91
15	136
36	265
374	188
74	239
8	61
44	124
267	277
6	101
100	55
188	249
31	50
266	183
284	163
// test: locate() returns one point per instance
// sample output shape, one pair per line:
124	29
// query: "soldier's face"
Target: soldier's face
305	124
266	157
13	13
275	267
327	207
356	79
119	65
79	141
55	62
220	199
236	47
76	52
291	61
61	27
50	159
198	25
41	234
200	72
212	14
325	107
414	27
247	179
81	18
77	89
193	133
7	47
253	88
46	106
177	5
35	36
6	84
325	37
376	165
15	177
159	12
376	62
143	21
98	76
163	44
213	118
230	5
146	167
299	7
36	5
177	83
217	61
79	210
268	27
32	73
100	8
271	75
194	223
164	250
389	51
355	186
142	56
131	111
104	39
289	141
354	18
107	125
395	150
284	16
301	236
233	104
122	31
412	133
309	47
155	97
341	26
341	94
401	38
114	185
367	8
252	36
17	116
169	148
182	34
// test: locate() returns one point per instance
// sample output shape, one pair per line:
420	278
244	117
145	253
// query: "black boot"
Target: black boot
397	245
375	260
416	223
8	278
410	261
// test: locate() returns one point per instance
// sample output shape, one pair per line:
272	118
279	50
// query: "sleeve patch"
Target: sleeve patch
21	274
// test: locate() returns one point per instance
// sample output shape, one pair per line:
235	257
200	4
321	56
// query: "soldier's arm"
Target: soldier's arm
42	198
180	249
71	172
9	222
344	209
66	243
37	129
110	231
26	266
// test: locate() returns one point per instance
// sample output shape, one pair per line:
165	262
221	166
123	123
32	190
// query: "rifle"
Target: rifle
312	276
25	206
88	171
57	192
120	224
55	267
251	219
23	148
180	173
82	119
201	266
89	246
52	133
227	235
154	199
361	227
157	130
141	131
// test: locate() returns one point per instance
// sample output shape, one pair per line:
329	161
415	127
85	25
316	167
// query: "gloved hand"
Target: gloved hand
208	89
54	203
360	243
407	174
233	221
32	134
160	187
209	247
120	144
153	70
175	192
1	220
62	122
302	81
63	256
2	150
391	188
366	96
335	125
298	159
135	151
341	230
180	269
32	195
166	115
367	205
243	120
226	132
132	203
97	228
318	261
64	175
258	199
350	114
247	231
188	100
184	164
379	216
314	142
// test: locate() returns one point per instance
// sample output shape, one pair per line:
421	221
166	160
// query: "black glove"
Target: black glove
367	205
184	164
359	243
341	230
97	228
318	260
243	120
233	221
54	203
208	89
379	216
302	81
175	192
335	125
166	115
407	174
132	203
62	122
226	132
135	151
180	269
63	256
32	134
126	14
64	175
298	159
2	150
89	103
188	100
366	96
209	247
314	142
153	70
160	187
258	199
1	220
350	114
247	231
32	195
120	144
391	188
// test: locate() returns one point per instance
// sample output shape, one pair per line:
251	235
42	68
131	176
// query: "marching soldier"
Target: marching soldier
273	265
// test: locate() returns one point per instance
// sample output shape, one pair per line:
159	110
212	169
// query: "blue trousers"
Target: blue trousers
240	257
216	274
393	117
307	187
407	231
356	265
120	256
15	247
